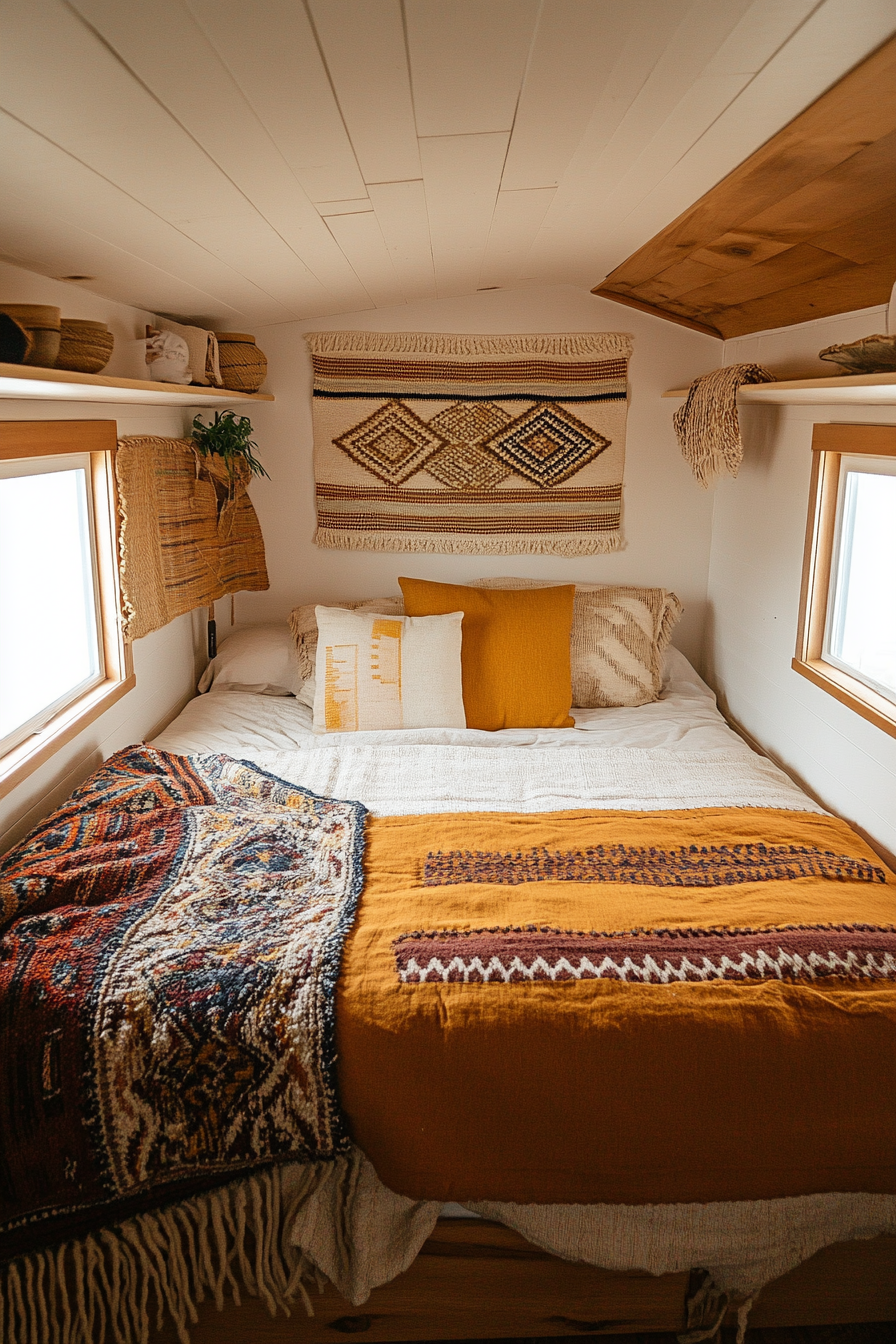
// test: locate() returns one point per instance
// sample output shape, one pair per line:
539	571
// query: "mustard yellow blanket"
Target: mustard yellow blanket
618	1006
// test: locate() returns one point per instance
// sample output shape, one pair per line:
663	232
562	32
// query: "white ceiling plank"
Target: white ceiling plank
358	207
461	174
754	41
274	58
516	221
686	53
56	247
364	48
577	44
61	188
467	62
361	240
206	117
401	210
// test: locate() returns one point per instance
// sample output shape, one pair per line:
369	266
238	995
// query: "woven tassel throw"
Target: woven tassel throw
707	425
500	445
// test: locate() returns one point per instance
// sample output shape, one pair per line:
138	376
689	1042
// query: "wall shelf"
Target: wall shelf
24	381
865	389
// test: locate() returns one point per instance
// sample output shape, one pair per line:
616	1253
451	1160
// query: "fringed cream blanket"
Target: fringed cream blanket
498	445
276	1233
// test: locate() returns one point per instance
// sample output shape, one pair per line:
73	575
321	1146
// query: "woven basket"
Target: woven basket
42	322
243	365
85	347
15	341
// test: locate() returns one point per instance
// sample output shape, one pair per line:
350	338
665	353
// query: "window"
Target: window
847	637
62	661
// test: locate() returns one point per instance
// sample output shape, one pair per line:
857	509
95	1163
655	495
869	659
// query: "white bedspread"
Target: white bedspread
675	753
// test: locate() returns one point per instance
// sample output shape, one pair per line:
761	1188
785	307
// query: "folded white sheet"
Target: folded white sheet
684	717
675	753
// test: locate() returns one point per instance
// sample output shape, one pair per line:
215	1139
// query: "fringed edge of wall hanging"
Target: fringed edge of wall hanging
567	345
110	1285
338	539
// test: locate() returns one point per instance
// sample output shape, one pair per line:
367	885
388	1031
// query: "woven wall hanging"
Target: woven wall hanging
483	444
189	534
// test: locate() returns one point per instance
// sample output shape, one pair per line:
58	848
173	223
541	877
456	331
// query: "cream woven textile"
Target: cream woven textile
707	425
469	444
187	537
617	640
382	672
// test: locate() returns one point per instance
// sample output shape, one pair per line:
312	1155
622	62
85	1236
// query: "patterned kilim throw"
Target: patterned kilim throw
480	444
171	941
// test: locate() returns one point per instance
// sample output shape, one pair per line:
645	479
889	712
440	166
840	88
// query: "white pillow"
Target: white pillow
377	671
261	658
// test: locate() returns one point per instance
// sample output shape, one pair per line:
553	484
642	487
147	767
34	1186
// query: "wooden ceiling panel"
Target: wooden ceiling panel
804	228
737	250
870	238
851	288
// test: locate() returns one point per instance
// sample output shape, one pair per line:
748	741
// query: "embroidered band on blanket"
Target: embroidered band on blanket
477	444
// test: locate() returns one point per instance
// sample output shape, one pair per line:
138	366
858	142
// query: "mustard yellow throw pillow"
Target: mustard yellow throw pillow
376	671
515	651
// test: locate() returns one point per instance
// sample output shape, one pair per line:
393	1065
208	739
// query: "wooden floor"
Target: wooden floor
476	1280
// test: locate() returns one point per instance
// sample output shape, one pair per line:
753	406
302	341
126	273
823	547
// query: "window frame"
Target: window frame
831	443
98	440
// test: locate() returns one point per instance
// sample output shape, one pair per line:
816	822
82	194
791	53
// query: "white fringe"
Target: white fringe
113	1286
440	543
566	345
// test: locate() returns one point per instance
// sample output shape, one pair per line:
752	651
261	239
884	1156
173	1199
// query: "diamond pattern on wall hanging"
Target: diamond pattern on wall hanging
470	421
393	443
465	466
546	444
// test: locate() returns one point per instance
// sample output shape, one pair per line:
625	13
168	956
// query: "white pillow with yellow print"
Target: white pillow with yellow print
378	671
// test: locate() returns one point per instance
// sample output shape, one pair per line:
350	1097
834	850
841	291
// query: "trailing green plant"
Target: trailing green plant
229	437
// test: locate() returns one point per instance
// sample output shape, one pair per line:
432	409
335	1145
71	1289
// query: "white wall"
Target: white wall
166	662
667	517
759	527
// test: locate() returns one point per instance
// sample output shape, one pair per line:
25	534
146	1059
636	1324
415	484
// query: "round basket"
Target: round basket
85	347
42	323
243	365
15	341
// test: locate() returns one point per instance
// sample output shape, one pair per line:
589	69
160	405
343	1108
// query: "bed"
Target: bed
717	1146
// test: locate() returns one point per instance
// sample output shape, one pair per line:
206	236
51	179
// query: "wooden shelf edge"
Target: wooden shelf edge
23	381
843	389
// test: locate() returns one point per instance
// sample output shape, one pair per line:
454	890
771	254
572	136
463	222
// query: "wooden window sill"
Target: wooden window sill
29	755
849	691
